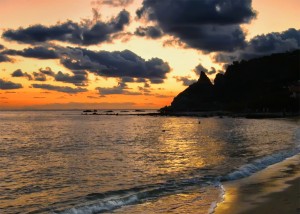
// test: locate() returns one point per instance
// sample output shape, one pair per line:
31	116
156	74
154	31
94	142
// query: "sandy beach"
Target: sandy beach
274	190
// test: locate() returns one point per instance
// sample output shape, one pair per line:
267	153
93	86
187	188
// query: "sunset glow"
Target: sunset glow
163	62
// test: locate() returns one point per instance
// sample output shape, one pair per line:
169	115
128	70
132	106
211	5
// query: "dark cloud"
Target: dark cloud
153	32
115	64
207	25
121	88
17	73
135	80
186	81
200	68
113	3
128	79
146	89
36	52
156	80
20	73
264	45
38	76
119	64
80	78
85	33
64	89
47	71
8	85
1	47
4	58
93	97
212	71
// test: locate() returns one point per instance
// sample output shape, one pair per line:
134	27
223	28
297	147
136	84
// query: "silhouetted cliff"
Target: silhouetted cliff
269	83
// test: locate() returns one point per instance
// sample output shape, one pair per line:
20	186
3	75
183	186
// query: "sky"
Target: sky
130	54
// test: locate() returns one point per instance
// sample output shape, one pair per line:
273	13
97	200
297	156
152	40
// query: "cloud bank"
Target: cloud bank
262	45
115	64
85	33
8	85
64	89
206	25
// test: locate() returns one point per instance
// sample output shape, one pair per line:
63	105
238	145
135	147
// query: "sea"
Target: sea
67	163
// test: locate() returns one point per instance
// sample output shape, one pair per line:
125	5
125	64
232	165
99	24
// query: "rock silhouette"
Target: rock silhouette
266	84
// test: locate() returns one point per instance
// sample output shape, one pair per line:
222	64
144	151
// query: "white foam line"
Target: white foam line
249	169
102	206
221	198
260	164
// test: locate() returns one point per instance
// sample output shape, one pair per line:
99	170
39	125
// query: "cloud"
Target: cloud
121	88
64	89
200	68
205	25
93	97
38	76
36	52
186	81
8	85
113	3
115	64
19	73
1	47
119	64
47	71
261	45
80	78
152	32
146	89
4	58
85	33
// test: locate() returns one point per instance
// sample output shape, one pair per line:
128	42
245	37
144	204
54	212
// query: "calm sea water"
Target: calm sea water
64	162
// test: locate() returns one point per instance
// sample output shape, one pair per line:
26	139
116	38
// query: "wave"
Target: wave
111	200
259	164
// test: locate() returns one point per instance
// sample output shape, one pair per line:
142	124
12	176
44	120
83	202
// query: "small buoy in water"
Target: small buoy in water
199	122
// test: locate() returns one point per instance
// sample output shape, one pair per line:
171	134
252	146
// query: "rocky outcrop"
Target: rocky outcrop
197	96
261	84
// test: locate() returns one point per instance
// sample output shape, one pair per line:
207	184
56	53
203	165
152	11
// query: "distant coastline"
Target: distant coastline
220	114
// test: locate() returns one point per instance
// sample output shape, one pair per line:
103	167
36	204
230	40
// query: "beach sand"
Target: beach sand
275	190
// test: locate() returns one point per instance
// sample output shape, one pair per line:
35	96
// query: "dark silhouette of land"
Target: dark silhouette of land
266	85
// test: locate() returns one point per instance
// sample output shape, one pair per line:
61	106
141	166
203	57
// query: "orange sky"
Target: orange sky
273	16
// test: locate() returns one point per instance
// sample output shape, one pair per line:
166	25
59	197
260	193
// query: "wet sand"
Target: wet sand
274	190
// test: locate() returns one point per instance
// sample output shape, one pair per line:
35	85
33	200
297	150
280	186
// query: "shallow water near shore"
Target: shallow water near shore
275	189
64	162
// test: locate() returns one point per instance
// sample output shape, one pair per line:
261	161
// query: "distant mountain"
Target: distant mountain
266	84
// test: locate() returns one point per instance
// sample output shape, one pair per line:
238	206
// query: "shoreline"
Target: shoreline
275	189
